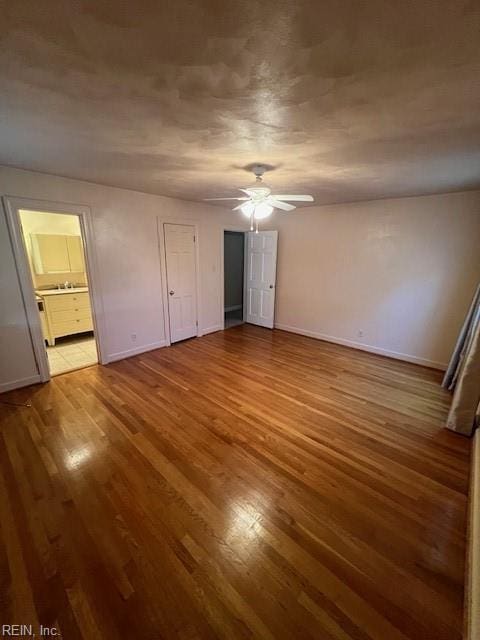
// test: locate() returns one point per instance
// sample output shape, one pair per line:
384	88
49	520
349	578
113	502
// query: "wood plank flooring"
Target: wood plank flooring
247	484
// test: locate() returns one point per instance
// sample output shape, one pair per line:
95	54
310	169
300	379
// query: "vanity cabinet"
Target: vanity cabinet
75	253
66	314
57	253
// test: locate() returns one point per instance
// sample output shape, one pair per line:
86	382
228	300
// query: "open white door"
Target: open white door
260	277
181	280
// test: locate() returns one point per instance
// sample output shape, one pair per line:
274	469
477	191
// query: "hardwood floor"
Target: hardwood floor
247	484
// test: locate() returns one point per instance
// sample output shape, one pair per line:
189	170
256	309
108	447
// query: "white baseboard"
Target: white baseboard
363	347
121	355
17	384
235	307
472	568
215	327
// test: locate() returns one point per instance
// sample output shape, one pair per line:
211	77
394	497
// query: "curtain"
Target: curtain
463	374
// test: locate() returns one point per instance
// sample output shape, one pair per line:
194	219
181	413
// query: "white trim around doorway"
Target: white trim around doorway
13	205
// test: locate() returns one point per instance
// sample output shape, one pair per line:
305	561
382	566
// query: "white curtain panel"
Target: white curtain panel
463	374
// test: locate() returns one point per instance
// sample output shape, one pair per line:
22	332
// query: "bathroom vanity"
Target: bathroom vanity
66	312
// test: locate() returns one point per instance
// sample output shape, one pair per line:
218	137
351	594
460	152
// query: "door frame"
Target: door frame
161	222
12	205
237	229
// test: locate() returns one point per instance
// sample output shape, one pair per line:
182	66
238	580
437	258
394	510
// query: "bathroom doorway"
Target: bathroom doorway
233	269
55	252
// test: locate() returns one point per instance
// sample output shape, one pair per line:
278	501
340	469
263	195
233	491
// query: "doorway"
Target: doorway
54	248
181	276
233	270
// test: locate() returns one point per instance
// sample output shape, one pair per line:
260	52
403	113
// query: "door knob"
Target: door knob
271	286
171	292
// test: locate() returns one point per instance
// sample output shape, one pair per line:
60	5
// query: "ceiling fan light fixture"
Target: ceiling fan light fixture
258	202
247	209
262	210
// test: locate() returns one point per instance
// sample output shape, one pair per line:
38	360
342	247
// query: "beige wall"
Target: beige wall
127	255
401	271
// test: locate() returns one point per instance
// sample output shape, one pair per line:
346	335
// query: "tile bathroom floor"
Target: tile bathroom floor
72	352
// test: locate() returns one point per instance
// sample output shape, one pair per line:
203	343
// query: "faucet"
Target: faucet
65	285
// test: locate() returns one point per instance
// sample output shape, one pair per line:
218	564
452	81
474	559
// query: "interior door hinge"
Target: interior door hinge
194	238
196	323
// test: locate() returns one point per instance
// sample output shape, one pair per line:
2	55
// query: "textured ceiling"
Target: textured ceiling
350	100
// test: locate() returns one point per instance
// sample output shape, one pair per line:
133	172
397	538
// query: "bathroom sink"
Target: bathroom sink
55	292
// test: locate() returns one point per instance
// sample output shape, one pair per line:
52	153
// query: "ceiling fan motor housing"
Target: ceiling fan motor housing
258	192
259	170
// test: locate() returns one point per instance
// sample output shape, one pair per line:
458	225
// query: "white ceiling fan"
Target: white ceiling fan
259	202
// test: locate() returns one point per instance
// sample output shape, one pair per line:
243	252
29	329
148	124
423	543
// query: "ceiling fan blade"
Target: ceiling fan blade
293	198
211	199
239	206
280	205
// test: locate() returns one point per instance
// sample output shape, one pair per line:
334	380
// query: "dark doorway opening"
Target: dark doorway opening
234	258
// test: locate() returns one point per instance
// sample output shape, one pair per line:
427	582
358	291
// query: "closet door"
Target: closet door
181	280
261	277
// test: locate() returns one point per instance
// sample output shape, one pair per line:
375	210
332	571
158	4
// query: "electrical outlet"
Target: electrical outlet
133	337
360	333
